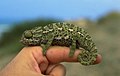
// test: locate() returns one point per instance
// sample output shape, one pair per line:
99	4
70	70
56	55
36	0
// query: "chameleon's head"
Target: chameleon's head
28	38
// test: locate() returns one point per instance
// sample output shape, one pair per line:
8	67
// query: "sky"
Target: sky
17	10
12	10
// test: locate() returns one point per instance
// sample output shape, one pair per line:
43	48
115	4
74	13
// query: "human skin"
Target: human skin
31	62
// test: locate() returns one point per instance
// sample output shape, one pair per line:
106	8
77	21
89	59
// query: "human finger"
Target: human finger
56	70
57	54
98	59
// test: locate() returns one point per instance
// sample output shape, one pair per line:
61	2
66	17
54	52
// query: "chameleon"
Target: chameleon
62	34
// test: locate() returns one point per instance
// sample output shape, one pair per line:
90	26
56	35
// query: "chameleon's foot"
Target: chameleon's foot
87	58
44	49
72	50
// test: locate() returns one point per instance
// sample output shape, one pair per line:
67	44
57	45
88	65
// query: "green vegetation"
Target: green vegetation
105	32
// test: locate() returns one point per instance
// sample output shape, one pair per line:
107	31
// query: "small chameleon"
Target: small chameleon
62	34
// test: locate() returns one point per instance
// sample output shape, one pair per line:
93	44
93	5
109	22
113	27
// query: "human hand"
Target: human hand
31	62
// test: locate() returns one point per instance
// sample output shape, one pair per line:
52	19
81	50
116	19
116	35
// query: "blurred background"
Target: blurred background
101	18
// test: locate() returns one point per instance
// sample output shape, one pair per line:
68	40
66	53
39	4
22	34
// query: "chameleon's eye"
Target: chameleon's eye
28	34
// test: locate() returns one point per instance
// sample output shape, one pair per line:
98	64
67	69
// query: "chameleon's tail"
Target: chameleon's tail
89	51
87	57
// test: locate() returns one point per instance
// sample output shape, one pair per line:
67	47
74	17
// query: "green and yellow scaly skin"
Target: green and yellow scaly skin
62	34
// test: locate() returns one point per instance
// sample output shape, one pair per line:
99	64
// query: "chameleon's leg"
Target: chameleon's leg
72	48
86	57
48	44
44	48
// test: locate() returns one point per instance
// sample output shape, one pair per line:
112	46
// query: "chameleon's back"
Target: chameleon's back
63	33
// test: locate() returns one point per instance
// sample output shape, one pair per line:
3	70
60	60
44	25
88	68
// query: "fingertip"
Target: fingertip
98	59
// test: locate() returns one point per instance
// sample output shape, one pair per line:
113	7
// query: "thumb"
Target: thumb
56	70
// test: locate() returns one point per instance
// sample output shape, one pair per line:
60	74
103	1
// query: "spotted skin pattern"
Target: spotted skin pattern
62	34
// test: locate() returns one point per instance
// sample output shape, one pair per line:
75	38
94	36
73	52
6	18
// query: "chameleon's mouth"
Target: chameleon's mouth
24	41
